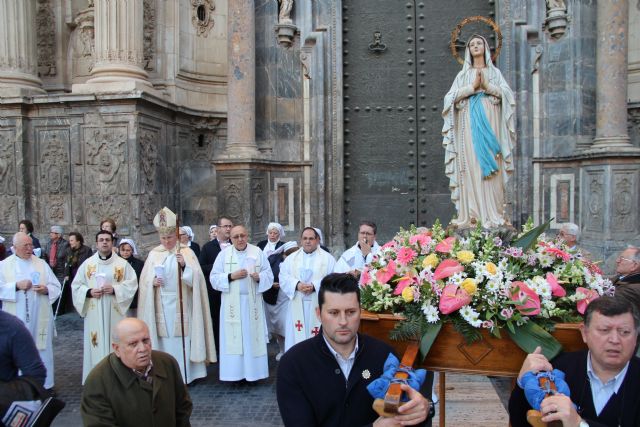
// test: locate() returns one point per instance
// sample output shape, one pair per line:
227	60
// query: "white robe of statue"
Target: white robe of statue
32	308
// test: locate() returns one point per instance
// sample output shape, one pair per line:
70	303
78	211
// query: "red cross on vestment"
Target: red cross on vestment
298	326
315	331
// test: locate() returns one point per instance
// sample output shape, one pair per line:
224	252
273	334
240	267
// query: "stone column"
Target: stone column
18	58
241	110
118	42
611	80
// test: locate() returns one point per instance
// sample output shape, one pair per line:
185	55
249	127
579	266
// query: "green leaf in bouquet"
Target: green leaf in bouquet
429	335
528	239
530	335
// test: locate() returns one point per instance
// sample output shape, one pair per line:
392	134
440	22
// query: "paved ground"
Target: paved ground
244	405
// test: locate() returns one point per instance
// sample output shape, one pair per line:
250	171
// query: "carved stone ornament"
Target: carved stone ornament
286	33
105	160
46	38
557	18
202	16
149	34
148	159
54	165
7	165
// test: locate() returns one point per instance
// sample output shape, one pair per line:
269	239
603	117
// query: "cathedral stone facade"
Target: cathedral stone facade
247	108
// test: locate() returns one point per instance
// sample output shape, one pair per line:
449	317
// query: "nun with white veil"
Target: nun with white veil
275	234
478	138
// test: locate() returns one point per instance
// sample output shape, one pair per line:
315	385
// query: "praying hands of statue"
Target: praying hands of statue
478	82
24	285
305	288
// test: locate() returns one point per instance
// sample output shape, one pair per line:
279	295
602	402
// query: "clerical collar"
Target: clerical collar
105	258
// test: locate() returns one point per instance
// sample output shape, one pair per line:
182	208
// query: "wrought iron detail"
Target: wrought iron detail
377	46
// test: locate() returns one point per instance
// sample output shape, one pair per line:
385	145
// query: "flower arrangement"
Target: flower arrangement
480	281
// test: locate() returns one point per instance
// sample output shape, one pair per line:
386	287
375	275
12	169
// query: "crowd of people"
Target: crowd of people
223	302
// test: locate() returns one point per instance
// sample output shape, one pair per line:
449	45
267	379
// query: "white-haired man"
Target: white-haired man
28	287
570	234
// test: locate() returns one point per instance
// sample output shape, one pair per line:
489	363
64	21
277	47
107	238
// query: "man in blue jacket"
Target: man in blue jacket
322	381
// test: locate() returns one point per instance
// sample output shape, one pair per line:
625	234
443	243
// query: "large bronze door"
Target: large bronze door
397	67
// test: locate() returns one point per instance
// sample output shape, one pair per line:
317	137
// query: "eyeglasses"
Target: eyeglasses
239	236
365	233
621	258
104	240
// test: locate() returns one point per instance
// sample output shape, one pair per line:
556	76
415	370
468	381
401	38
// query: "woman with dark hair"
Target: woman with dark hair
128	250
26	226
77	253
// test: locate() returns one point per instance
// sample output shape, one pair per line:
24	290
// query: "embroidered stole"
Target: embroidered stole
42	327
319	266
232	308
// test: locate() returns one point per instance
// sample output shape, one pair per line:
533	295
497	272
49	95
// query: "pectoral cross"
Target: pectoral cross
42	334
298	326
315	331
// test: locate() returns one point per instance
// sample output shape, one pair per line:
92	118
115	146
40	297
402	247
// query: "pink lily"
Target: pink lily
446	245
447	268
589	295
529	301
556	289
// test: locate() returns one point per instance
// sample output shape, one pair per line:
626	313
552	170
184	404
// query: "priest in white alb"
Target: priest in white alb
300	277
28	287
242	273
159	301
102	291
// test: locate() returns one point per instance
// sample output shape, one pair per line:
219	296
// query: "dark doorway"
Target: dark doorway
397	68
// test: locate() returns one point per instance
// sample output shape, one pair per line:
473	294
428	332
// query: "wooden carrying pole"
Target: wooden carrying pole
184	351
388	407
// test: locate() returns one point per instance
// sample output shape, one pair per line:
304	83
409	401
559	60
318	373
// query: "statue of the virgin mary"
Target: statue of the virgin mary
478	137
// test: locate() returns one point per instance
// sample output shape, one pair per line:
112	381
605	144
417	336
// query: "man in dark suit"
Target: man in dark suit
322	380
604	381
627	280
208	254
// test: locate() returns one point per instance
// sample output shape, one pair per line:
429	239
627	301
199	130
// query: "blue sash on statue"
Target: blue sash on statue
485	142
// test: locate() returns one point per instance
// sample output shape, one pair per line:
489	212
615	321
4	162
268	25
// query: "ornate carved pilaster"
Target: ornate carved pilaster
241	139
119	46
611	77
18	57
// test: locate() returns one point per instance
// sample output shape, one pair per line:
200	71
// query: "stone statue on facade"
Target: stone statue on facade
284	17
478	138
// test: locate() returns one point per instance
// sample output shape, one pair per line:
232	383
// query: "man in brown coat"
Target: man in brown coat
134	385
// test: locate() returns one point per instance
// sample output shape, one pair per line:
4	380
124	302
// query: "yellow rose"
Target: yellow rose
431	260
407	294
491	268
465	257
469	285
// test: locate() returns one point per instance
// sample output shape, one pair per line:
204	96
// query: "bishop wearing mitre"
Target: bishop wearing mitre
159	301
